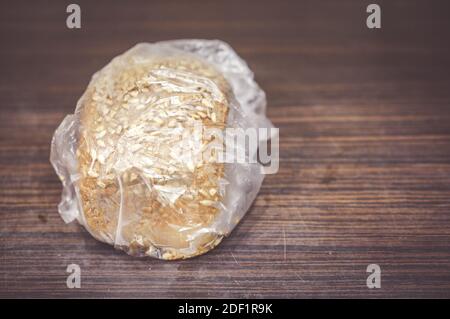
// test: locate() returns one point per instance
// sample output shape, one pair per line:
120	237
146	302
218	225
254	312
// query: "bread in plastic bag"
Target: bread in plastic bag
131	156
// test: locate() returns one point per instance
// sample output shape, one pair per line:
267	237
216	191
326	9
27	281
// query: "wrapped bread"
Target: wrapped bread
135	161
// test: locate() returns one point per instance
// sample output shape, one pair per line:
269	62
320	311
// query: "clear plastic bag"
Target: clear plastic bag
132	157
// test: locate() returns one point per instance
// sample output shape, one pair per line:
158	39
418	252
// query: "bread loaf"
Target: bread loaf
135	189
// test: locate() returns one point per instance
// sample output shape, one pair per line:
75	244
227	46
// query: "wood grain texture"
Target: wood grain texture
364	118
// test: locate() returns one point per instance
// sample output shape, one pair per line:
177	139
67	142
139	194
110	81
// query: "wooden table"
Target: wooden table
364	118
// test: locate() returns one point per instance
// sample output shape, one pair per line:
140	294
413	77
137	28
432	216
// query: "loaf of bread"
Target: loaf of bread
143	185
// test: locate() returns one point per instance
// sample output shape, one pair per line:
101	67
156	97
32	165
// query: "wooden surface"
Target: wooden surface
364	118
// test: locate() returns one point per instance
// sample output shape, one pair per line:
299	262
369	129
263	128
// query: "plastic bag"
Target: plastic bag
132	157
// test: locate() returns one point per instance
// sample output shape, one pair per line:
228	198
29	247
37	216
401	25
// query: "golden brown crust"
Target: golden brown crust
134	194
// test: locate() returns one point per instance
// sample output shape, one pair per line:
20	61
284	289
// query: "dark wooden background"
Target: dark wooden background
364	118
